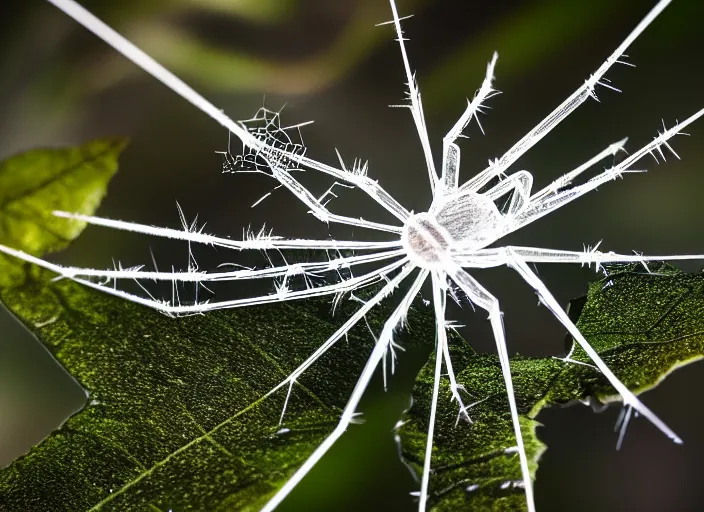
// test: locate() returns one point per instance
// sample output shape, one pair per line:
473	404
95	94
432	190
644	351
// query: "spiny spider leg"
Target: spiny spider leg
177	309
566	179
371	187
425	480
149	65
319	210
440	298
349	411
551	203
482	298
450	150
500	256
499	166
442	354
416	105
517	263
257	242
295	269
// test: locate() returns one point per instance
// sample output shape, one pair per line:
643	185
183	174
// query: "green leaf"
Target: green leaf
644	326
35	183
176	418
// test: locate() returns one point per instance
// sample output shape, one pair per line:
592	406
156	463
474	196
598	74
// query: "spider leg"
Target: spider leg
624	418
481	297
375	358
149	65
439	297
174	308
431	421
296	269
520	183
416	105
542	207
502	256
450	150
517	263
362	181
566	179
499	166
442	354
259	241
320	211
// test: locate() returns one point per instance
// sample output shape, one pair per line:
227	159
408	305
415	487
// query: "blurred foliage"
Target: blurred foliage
265	45
35	183
528	35
643	325
538	32
202	41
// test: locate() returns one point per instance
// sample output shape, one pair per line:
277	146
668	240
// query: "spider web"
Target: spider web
281	145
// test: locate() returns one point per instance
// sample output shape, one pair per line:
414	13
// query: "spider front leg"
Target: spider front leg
259	241
566	179
629	399
416	105
485	300
586	91
450	150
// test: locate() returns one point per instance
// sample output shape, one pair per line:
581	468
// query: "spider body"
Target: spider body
468	219
471	220
439	244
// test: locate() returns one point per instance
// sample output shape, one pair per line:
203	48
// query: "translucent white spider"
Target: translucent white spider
452	235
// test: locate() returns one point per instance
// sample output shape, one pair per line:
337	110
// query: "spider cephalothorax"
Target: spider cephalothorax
453	235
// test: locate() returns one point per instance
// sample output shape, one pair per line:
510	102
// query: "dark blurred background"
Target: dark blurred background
326	61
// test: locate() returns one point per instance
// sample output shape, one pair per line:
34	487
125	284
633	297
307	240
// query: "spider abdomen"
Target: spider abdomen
472	220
